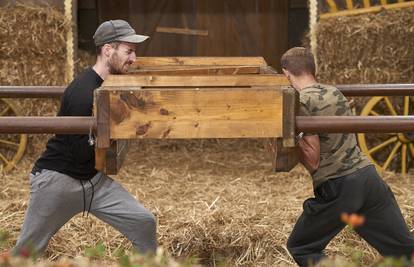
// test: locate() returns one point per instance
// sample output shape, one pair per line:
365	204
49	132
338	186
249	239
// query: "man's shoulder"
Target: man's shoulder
323	99
87	78
318	89
320	92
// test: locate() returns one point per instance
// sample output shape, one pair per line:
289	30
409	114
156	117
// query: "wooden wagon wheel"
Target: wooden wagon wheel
389	151
12	146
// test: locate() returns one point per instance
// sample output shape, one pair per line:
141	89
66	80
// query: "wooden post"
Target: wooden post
101	107
290	106
70	8
115	156
285	158
284	150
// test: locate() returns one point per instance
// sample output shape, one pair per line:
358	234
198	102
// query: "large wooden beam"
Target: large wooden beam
197	70
196	113
143	62
130	80
110	160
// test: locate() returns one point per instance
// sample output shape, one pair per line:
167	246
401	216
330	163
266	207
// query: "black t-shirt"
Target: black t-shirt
71	154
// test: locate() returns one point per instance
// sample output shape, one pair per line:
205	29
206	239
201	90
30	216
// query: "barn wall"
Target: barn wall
229	28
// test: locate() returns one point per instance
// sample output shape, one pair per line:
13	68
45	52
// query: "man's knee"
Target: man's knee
292	248
145	221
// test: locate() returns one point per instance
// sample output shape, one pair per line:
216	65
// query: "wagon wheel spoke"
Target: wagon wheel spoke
390	106
382	145
391	155
6	142
3	158
404	159
406	105
411	146
4	111
374	113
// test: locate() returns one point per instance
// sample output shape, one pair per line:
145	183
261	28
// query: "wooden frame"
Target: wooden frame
195	98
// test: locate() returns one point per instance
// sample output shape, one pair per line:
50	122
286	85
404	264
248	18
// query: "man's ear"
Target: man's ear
286	73
106	50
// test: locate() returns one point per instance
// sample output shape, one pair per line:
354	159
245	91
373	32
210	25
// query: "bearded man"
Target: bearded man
64	181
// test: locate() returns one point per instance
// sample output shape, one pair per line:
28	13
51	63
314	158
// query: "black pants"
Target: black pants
362	192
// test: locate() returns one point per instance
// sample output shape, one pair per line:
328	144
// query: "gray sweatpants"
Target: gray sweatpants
55	198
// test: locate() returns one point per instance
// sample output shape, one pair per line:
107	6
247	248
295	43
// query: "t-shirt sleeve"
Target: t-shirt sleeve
305	107
304	110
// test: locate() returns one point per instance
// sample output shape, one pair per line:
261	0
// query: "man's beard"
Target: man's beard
116	65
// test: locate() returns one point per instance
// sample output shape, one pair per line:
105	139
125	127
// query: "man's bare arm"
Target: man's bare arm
309	152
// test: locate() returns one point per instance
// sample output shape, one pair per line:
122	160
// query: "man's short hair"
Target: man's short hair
113	44
298	61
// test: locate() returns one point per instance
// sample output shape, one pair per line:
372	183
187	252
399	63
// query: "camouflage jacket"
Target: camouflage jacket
340	154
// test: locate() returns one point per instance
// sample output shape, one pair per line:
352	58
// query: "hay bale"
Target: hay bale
85	60
32	45
369	48
33	52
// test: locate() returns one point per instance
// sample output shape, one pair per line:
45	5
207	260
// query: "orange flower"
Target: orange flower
353	219
5	257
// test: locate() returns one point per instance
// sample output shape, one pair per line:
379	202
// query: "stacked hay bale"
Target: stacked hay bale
369	48
32	52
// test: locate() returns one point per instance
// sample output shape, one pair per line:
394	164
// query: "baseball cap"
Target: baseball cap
116	30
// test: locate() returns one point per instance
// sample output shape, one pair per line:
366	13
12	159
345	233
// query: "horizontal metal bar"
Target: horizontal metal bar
354	124
346	89
55	125
377	89
308	124
31	91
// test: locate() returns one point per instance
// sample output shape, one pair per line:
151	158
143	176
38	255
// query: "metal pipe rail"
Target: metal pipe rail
309	124
346	89
31	91
354	124
403	89
47	125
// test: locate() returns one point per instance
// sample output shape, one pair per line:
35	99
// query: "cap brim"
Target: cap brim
136	38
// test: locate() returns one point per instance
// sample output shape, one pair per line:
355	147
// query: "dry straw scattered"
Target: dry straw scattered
216	200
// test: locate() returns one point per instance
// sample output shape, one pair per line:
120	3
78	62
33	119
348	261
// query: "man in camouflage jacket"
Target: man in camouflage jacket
344	180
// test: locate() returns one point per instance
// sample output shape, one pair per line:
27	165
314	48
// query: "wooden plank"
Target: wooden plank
100	159
115	156
267	70
285	158
208	70
157	12
194	81
248	41
184	31
101	107
203	113
142	62
290	106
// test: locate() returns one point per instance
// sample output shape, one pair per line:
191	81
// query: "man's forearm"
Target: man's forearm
309	152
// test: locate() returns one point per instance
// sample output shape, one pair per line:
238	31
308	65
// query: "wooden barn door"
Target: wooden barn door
206	27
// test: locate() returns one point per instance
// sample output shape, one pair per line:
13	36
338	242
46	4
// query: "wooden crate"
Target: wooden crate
184	106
